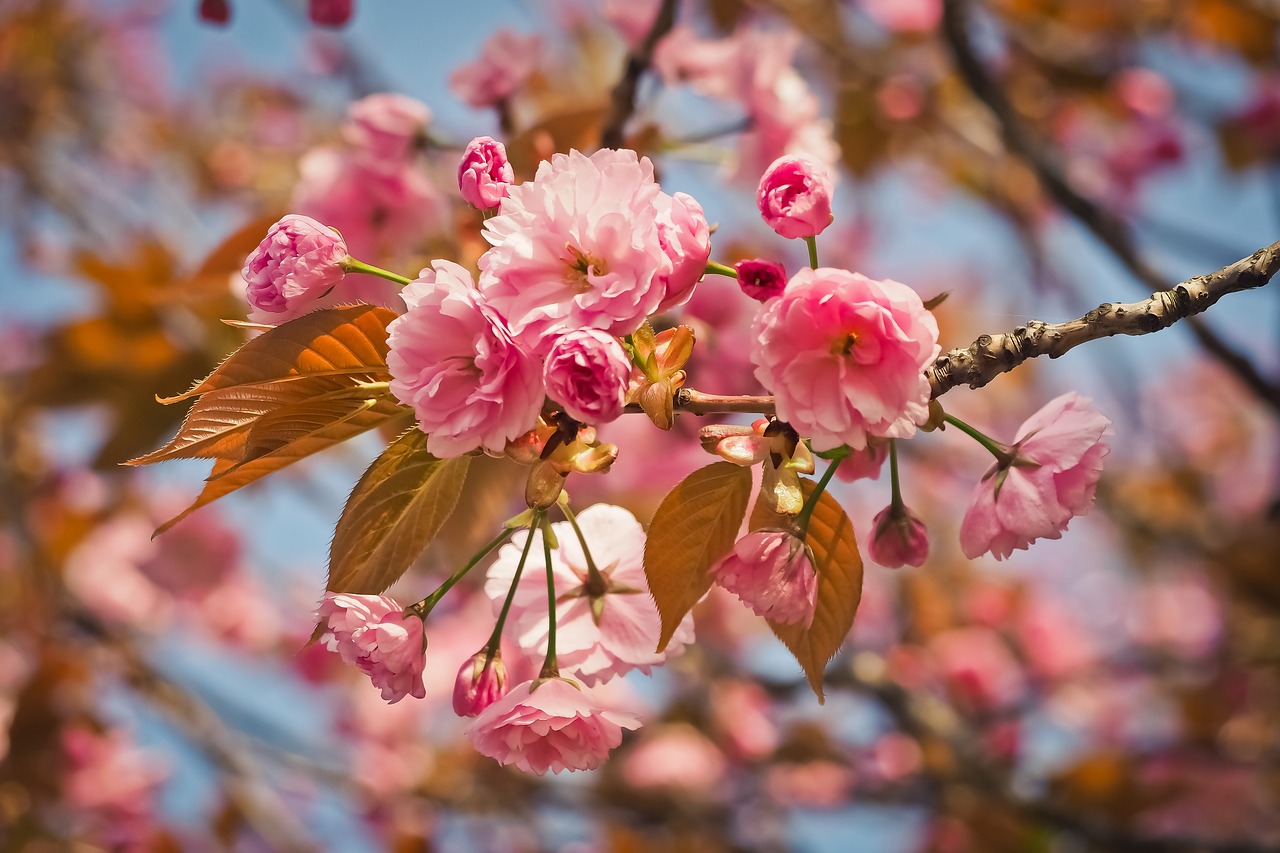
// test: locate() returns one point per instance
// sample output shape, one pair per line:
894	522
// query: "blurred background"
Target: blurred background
1118	689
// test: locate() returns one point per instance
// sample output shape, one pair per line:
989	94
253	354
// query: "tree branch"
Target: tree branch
622	101
1107	228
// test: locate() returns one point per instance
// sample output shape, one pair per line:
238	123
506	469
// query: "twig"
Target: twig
991	355
1107	228
622	101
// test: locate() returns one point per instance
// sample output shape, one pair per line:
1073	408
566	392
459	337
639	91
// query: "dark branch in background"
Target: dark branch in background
622	101
991	355
1107	228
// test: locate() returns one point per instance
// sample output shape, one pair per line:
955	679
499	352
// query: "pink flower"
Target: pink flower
978	667
485	173
760	279
898	538
771	572
452	359
298	261
685	236
481	681
386	128
1050	478
677	757
587	372
578	246
374	633
214	11
506	61
904	15
330	13
864	464
606	625
550	724
794	197
632	18
845	356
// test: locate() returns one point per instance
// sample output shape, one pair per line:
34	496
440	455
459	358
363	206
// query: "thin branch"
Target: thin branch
991	355
622	101
1106	227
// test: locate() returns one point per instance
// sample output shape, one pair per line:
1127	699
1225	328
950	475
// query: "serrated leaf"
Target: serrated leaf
334	342
839	565
394	512
695	525
228	475
277	429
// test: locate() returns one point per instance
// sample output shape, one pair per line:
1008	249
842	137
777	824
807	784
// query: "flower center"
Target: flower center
842	346
580	266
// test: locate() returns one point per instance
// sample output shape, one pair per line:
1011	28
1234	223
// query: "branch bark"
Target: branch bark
622	101
1111	231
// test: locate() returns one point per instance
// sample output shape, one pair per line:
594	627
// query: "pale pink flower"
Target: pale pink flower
904	16
678	758
740	714
587	372
977	667
506	60
385	129
374	633
104	572
484	173
632	18
1049	479
592	648
550	724
578	246
382	213
481	681
299	261
761	279
711	66
112	786
794	197
452	359
845	356
772	573
685	236
898	538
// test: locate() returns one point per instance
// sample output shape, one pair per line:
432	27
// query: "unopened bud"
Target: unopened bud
481	681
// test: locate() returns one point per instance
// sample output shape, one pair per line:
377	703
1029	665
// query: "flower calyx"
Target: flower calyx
658	370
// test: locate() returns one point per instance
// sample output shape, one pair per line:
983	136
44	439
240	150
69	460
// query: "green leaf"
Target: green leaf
394	512
695	525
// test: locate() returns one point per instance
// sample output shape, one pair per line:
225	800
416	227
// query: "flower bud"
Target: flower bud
485	173
587	371
481	681
795	197
215	11
898	538
298	261
761	279
329	13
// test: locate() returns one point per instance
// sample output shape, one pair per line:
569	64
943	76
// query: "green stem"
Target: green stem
896	491
714	268
802	520
350	264
595	580
426	605
995	448
812	242
496	637
550	666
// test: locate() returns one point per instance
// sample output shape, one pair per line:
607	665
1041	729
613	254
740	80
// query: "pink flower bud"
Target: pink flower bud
795	197
587	372
485	173
482	680
329	13
215	11
770	571
898	538
760	279
296	263
864	464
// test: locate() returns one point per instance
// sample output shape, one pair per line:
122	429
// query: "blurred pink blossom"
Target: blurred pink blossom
605	626
845	356
864	464
551	724
632	18
1051	478
112	784
978	668
676	757
452	359
385	129
904	16
506	60
741	714
811	784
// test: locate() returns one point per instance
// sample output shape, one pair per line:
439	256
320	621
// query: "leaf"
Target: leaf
839	565
394	512
695	525
334	342
290	424
224	480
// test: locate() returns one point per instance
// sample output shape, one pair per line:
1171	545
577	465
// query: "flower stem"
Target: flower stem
496	637
426	605
350	264
714	268
895	491
802	520
550	666
595	580
812	242
995	448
